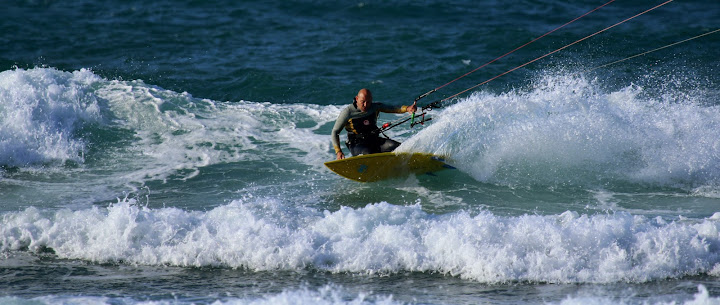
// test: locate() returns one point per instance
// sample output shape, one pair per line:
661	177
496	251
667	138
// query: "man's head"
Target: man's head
363	99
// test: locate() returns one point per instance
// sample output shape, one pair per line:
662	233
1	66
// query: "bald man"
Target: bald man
360	121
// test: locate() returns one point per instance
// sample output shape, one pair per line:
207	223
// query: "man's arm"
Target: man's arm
401	109
342	119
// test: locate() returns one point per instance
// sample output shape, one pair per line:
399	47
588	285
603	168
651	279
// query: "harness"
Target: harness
362	129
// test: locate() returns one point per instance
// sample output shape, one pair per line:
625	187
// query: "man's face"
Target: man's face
363	101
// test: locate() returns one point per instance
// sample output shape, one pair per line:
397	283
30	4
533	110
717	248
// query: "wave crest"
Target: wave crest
265	234
566	130
41	110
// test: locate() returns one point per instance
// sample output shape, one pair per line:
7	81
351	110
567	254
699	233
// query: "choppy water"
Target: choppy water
172	153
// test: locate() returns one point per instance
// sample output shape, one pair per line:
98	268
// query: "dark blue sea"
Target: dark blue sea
171	152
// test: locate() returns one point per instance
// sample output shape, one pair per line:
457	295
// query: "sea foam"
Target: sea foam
334	295
268	234
41	110
135	132
178	134
326	295
701	298
568	130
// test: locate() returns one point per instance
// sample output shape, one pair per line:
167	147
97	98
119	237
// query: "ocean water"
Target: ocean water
171	152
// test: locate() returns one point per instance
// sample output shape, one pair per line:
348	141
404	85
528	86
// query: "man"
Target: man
360	121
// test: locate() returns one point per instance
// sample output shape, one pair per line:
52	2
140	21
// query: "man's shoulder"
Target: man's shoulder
348	109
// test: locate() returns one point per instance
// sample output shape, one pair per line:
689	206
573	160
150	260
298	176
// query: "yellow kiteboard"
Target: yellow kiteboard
381	166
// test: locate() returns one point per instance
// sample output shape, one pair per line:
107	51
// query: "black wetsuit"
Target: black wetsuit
363	133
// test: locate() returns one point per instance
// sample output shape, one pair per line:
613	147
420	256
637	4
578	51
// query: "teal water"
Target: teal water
172	152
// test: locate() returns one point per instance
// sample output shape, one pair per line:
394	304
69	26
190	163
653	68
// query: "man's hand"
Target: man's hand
340	155
412	108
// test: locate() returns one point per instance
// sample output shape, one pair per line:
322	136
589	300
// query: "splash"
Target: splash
326	295
335	295
41	111
267	234
566	130
122	134
179	134
701	298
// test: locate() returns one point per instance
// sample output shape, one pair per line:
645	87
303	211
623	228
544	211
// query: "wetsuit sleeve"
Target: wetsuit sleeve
390	109
340	123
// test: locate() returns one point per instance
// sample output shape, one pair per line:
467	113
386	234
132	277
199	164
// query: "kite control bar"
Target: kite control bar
425	110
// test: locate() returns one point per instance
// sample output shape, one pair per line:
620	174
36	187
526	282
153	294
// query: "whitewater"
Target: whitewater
377	239
171	152
117	173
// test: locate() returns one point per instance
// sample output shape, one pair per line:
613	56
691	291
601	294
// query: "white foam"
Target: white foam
178	132
701	298
267	234
171	133
332	294
326	295
565	129
40	111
